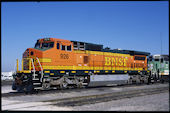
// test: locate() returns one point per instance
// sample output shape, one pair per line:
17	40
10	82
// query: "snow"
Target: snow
7	75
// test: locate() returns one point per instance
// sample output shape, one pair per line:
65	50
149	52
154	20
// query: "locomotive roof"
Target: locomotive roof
131	52
99	47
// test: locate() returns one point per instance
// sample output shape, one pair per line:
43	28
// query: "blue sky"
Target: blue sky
126	25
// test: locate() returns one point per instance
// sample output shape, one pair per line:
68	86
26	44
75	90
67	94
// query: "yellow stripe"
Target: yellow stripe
106	71
86	71
101	53
44	60
51	73
73	71
113	71
62	71
24	71
86	68
125	71
46	71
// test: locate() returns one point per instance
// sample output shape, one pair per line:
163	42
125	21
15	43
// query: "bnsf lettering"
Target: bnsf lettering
64	56
115	61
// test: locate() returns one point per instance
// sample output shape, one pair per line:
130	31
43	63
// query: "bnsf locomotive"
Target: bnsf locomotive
58	63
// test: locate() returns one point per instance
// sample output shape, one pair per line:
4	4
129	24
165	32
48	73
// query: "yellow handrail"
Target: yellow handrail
17	64
22	68
29	64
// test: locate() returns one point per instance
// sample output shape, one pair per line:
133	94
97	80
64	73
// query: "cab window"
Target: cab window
69	48
47	45
63	47
51	45
66	48
37	45
139	58
58	45
44	45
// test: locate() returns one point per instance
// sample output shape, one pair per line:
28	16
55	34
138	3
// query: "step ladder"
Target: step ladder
37	77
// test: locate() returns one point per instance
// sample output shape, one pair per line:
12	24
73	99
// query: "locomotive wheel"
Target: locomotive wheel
146	80
63	85
138	81
46	86
14	87
130	81
29	88
20	88
79	85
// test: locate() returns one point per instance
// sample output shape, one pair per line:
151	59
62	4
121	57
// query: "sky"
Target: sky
135	25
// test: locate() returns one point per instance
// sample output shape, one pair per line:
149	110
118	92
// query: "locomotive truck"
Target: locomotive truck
58	63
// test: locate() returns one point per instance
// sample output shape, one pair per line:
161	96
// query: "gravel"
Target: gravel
155	102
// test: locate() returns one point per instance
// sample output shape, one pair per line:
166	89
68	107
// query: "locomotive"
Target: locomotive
159	67
59	63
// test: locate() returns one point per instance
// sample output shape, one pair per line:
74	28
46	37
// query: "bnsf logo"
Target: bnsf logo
64	56
115	61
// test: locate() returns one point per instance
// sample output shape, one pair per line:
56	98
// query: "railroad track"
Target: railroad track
91	99
80	98
12	94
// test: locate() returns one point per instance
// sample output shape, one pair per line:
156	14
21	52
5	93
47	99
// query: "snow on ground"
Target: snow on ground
7	89
7	75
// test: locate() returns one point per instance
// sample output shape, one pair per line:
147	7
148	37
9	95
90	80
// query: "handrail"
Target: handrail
29	65
17	66
41	69
33	67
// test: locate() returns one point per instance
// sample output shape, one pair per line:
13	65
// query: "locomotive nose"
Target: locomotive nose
28	52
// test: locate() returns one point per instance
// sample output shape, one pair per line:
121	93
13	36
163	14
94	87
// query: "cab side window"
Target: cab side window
69	48
63	47
58	45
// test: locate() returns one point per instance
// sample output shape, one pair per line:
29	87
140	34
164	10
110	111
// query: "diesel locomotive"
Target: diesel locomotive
58	63
159	67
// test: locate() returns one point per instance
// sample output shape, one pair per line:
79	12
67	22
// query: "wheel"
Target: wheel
29	88
46	86
145	80
130	81
14	87
63	85
20	88
79	85
138	81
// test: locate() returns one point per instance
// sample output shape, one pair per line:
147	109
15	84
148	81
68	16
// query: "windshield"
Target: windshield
44	45
37	45
47	45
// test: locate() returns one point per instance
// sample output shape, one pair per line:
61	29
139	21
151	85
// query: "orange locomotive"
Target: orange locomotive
58	63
